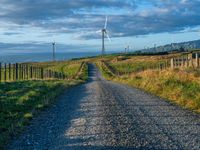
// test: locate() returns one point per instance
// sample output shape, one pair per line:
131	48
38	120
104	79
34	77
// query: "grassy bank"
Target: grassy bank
181	86
22	100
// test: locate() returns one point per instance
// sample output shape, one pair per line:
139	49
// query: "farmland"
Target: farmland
23	99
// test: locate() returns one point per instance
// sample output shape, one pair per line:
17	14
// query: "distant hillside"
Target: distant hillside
174	46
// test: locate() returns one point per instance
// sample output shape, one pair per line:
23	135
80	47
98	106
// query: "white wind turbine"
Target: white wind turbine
104	32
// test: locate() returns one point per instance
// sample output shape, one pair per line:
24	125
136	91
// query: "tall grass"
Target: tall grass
177	86
181	86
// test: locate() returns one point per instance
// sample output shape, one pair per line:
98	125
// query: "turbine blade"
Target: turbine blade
105	26
108	37
99	31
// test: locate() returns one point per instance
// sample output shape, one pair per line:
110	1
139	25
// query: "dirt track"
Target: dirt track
104	115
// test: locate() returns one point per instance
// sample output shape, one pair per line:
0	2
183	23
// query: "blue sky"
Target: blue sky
31	25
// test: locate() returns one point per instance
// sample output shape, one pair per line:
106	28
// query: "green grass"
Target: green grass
105	70
69	68
21	101
127	67
83	74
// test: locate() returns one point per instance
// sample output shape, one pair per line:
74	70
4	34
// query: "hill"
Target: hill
174	47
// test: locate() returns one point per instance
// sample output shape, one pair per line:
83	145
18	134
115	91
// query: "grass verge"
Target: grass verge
179	86
21	101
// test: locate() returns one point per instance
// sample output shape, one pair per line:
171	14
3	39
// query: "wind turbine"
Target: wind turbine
172	43
54	44
127	49
104	32
155	47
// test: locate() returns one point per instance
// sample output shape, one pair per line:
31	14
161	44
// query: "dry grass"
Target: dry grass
181	86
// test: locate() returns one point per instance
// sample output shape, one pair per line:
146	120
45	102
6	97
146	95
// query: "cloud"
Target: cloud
84	17
11	33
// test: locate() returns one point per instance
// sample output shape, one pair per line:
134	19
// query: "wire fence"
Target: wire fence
159	66
17	72
186	60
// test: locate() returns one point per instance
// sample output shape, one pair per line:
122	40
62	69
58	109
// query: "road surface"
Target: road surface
102	115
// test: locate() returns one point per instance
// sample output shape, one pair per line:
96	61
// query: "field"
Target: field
179	85
68	68
22	100
46	70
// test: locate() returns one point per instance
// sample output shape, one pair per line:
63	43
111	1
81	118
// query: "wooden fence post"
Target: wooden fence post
49	74
197	60
42	73
190	60
13	67
31	72
21	72
16	71
35	72
24	71
55	74
187	61
27	72
172	63
182	61
9	71
5	72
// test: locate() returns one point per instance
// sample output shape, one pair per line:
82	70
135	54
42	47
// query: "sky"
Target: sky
32	25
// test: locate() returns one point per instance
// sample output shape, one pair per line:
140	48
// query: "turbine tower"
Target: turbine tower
104	32
155	48
54	44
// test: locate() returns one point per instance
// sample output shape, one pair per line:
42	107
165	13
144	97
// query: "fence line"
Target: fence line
158	66
79	70
186	60
17	72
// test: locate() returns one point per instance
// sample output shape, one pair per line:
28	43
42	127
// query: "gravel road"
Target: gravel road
102	115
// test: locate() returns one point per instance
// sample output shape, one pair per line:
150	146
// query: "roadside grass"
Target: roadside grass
177	86
180	86
21	101
104	70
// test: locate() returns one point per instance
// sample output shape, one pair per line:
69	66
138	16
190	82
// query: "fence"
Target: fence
186	60
15	72
163	65
79	70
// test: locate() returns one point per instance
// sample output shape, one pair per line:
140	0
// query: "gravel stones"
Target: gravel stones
102	115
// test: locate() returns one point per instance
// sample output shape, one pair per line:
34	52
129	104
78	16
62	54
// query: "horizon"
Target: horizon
29	27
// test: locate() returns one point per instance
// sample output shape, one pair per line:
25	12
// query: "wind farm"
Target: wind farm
99	75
